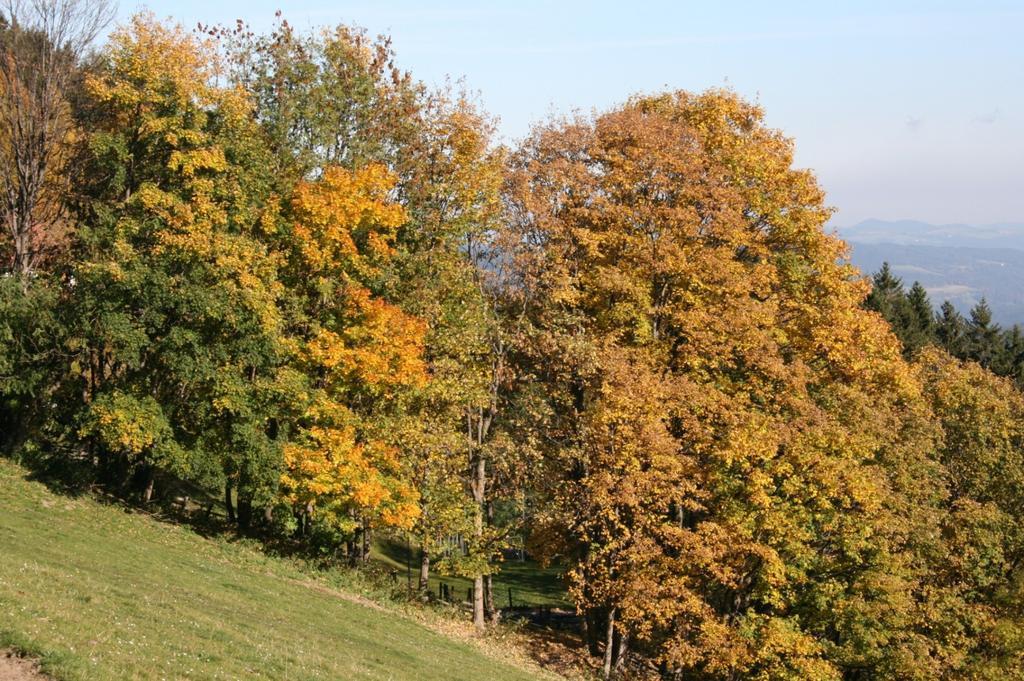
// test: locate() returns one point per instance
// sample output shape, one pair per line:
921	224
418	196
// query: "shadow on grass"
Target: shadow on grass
393	564
531	584
176	501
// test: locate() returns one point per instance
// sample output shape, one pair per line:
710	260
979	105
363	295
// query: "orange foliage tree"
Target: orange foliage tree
361	353
718	406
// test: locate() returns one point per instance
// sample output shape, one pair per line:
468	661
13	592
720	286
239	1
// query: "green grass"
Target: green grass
531	584
98	592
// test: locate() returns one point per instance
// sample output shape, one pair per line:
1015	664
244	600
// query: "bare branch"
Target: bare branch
42	43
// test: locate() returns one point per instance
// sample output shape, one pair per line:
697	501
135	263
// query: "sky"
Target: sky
903	109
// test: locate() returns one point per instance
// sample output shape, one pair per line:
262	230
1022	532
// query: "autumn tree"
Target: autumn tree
717	404
177	346
336	99
358	351
452	192
304	281
326	105
977	573
42	44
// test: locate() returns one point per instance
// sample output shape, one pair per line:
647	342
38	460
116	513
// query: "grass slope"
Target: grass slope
100	593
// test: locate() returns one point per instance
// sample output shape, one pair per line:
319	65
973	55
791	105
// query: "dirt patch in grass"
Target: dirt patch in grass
14	668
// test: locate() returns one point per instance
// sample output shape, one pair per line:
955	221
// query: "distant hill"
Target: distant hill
912	233
959	263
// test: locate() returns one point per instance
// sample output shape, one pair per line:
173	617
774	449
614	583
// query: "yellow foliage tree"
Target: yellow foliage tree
362	351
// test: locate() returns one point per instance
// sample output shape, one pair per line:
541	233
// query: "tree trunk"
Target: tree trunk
620	651
592	630
479	489
490	612
244	512
359	546
424	583
307	519
367	542
609	645
147	491
227	502
478	604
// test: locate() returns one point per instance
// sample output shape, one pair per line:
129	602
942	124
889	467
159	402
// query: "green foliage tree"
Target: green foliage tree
174	302
912	319
919	328
887	295
983	338
951	330
31	335
1011	360
909	313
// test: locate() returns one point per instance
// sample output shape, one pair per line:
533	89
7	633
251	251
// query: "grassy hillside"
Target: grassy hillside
101	593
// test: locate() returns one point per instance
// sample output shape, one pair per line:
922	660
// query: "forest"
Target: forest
278	272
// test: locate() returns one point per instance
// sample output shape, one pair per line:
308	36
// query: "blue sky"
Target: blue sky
905	110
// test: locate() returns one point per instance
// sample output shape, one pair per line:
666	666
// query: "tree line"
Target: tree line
277	268
976	337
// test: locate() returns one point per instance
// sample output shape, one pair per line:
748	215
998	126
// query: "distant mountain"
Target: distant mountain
959	263
910	232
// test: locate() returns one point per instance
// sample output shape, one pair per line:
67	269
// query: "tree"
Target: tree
974	579
1011	362
909	313
334	113
359	353
887	296
177	354
42	43
983	336
329	98
336	99
452	191
31	334
919	329
951	330
715	405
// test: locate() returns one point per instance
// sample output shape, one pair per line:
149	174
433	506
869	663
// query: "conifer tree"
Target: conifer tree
918	329
887	296
1011	361
983	337
951	330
